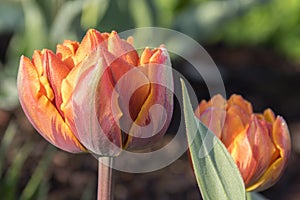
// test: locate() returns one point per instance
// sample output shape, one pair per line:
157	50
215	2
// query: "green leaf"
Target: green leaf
255	196
217	174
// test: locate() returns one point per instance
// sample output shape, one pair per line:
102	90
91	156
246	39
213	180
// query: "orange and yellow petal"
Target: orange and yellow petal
40	110
232	127
66	53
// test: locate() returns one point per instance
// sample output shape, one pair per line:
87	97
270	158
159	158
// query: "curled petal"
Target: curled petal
252	150
281	139
56	72
66	53
38	64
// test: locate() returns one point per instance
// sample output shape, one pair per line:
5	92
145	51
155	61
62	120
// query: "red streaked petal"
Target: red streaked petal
56	71
41	112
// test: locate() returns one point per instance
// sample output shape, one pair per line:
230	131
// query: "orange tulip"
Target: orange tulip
55	93
259	143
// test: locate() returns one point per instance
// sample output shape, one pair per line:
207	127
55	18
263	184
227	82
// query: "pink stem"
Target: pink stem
105	178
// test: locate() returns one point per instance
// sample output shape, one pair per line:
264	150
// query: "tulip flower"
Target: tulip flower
58	91
258	143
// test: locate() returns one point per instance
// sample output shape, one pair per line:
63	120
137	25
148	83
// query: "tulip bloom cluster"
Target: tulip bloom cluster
259	143
50	83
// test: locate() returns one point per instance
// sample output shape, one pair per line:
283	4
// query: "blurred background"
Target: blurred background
255	44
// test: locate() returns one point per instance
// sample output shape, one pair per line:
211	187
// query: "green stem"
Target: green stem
105	178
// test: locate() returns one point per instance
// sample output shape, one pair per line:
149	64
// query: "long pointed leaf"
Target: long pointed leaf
217	175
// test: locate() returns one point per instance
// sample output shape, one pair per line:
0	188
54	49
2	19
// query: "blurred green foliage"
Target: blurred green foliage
38	24
274	24
13	156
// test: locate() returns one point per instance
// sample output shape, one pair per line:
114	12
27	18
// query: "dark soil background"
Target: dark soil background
260	75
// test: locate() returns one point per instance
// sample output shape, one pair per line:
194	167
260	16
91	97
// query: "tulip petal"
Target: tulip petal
45	88
67	88
66	53
122	49
242	107
216	101
96	125
56	72
214	119
91	40
40	111
159	102
212	114
132	87
281	139
232	127
241	102
132	90
269	115
145	56
253	151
